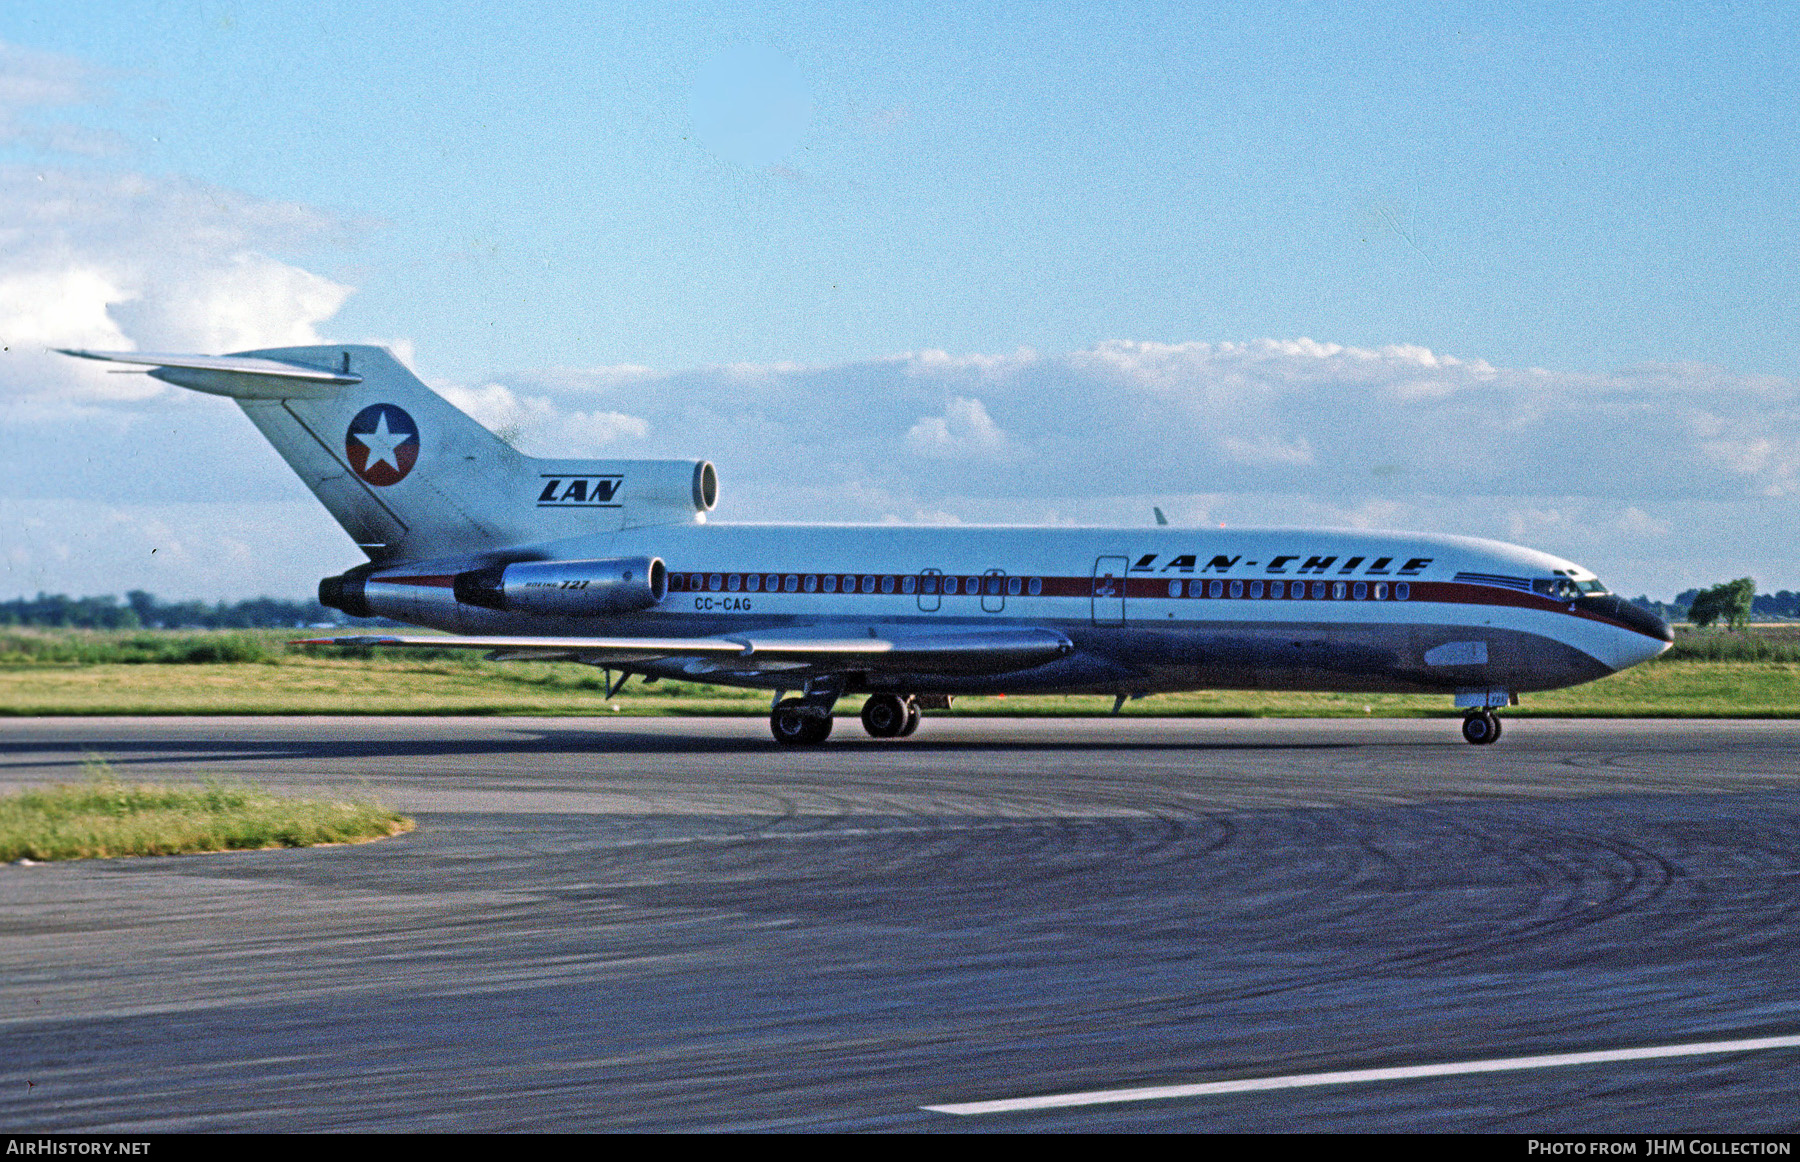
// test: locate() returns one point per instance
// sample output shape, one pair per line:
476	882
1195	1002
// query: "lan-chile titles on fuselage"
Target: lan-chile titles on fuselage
611	563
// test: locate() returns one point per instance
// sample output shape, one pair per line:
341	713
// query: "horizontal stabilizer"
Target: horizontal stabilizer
239	376
988	651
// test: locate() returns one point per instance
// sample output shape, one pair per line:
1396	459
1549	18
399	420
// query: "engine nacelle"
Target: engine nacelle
567	588
624	493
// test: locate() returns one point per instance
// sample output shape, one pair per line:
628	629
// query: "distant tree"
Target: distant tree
144	605
1730	600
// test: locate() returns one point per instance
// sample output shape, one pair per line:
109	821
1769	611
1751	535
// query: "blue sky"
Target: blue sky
1594	203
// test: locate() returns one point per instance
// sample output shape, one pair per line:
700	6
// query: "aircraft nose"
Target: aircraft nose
1644	635
1643	621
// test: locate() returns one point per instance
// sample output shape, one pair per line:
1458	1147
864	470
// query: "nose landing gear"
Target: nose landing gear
1481	727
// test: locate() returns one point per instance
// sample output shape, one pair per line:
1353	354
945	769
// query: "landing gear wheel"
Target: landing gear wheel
885	715
913	717
1481	728
792	725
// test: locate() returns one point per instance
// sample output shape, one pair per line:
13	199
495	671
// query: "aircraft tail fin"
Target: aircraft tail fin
407	474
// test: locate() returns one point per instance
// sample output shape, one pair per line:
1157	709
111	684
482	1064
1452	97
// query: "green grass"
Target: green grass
1708	673
147	647
1763	643
103	818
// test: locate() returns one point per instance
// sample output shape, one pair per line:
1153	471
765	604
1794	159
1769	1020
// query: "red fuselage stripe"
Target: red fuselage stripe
1135	588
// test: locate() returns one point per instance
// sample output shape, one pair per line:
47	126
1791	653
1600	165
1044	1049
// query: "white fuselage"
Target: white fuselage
1148	609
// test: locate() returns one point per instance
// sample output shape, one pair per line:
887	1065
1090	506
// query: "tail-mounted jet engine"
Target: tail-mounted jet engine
567	588
592	588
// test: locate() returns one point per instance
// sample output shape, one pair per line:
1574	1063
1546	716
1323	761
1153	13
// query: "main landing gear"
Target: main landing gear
890	716
1481	727
796	723
806	721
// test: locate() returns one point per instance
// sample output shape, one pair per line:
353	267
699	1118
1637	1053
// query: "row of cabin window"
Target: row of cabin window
993	584
1321	590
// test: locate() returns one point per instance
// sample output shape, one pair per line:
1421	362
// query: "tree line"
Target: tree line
1734	603
141	610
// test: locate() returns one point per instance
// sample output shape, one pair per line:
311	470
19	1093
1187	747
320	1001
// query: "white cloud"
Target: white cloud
535	425
1657	477
115	259
964	430
1598	467
122	261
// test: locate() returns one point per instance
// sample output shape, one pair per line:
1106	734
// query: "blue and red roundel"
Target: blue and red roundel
382	444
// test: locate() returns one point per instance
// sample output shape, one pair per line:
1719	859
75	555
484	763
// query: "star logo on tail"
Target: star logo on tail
382	444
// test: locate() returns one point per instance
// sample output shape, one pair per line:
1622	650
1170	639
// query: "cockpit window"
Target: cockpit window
1568	589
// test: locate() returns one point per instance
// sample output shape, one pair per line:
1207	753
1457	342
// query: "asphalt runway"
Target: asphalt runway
670	924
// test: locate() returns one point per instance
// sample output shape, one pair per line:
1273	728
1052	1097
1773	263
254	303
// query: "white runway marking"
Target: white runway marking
1345	1077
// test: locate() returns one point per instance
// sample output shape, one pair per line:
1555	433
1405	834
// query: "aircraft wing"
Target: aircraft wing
981	651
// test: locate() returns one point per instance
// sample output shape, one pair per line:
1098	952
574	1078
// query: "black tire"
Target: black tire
885	716
1480	729
913	717
1498	725
792	726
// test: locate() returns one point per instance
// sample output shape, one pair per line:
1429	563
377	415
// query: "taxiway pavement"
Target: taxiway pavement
673	924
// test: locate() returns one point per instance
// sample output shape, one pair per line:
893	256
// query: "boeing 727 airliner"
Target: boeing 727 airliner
611	563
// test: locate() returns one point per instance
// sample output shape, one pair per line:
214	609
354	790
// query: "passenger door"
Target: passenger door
931	589
1109	590
993	591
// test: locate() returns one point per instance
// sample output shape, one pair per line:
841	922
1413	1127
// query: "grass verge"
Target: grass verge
103	818
1708	674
